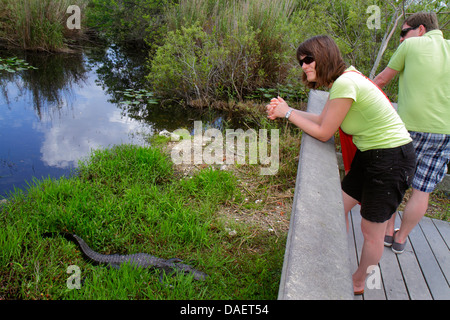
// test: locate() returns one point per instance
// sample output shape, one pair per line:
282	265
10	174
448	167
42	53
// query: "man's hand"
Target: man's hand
385	77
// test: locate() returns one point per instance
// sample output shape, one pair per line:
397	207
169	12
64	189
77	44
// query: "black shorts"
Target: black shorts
379	178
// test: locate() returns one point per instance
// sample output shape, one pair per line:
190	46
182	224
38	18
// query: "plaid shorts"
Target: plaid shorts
433	155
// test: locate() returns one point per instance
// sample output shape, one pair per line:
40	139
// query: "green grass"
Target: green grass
128	199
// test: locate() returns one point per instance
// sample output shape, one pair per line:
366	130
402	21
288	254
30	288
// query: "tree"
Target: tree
398	13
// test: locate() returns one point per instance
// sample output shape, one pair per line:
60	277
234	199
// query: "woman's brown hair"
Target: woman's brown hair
329	62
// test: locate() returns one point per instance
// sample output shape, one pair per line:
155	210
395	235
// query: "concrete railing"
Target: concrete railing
316	262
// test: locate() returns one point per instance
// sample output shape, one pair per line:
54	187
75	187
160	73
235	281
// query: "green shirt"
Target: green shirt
371	120
424	87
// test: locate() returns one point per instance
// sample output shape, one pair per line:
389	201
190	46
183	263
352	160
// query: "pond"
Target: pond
52	117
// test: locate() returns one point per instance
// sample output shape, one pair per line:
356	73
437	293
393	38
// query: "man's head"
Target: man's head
418	24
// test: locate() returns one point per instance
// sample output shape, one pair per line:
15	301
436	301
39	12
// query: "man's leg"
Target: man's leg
432	153
414	211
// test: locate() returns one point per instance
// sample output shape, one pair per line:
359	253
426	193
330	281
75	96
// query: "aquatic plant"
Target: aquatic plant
14	64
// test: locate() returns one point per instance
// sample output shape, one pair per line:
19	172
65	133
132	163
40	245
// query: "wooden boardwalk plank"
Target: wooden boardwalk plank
391	272
412	274
444	229
419	273
432	273
438	246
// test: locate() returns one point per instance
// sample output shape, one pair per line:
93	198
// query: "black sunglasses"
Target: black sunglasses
404	32
307	60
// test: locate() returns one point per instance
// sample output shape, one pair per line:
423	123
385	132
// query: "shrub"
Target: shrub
222	50
197	66
184	66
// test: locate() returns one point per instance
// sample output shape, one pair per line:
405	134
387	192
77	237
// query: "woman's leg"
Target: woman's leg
372	250
349	203
390	227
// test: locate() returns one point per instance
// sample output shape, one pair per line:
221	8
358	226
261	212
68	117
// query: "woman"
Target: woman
384	162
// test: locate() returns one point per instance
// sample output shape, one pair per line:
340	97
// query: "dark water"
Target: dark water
52	117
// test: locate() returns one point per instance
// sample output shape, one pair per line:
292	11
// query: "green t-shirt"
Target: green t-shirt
371	120
424	87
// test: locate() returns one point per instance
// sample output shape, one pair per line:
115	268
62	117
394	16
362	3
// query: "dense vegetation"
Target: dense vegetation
37	24
225	50
205	51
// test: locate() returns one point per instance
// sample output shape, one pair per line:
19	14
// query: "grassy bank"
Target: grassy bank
130	199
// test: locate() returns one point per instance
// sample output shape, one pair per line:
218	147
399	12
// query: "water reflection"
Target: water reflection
54	116
71	133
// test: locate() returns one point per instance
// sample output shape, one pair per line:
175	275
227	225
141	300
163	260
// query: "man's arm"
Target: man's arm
385	77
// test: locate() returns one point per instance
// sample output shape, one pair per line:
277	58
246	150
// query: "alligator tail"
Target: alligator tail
85	249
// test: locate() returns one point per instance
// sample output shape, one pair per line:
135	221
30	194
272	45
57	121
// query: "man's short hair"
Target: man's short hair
427	19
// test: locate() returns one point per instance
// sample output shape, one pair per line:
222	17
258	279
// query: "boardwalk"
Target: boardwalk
422	272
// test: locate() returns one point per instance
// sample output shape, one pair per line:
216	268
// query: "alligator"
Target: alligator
139	260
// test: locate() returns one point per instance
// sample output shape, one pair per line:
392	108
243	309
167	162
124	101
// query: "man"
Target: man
423	62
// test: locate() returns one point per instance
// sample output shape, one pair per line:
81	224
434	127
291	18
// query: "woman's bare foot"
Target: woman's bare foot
358	286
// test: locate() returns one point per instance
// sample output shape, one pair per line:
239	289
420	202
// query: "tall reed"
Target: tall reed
252	34
229	16
232	17
36	24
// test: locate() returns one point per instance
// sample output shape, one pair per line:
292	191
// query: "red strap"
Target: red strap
370	81
348	148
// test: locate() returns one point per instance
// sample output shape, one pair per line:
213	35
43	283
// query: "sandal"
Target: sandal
358	293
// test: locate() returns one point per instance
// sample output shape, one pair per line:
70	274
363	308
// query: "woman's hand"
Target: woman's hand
277	108
321	127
